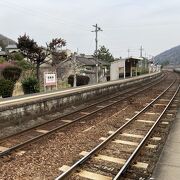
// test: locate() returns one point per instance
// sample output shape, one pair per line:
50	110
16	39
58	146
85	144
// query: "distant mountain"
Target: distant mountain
171	56
5	41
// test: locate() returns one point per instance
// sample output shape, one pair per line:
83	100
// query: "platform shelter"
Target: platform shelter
123	68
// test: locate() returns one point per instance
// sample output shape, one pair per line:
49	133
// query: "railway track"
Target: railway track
116	153
17	141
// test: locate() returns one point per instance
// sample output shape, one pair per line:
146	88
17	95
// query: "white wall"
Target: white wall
114	69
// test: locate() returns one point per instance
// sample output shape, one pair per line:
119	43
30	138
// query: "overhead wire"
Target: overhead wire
44	15
49	18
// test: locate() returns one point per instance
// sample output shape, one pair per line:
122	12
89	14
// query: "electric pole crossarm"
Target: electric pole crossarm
97	29
141	51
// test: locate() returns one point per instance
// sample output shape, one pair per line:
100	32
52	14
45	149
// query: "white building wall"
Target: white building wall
114	69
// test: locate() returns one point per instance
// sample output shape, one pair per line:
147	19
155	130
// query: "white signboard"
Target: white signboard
50	79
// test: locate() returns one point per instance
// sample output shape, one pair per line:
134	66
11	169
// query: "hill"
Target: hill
4	41
171	56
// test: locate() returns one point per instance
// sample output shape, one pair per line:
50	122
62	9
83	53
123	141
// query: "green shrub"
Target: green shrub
24	64
30	85
17	56
2	60
81	80
11	73
6	88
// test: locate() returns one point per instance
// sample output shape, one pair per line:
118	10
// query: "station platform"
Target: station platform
168	166
15	110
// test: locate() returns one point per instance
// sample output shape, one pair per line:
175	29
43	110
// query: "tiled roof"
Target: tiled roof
11	46
90	60
2	53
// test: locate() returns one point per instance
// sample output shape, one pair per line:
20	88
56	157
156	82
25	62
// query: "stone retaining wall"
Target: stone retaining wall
24	110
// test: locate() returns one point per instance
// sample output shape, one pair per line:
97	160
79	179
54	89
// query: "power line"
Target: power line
32	12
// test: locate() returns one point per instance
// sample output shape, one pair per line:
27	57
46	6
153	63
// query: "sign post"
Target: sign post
50	80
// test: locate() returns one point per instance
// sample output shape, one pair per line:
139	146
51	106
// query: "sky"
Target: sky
126	24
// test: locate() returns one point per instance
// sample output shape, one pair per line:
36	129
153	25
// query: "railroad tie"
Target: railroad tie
66	120
151	122
165	123
174	105
3	148
88	129
20	153
122	142
82	122
105	158
87	174
115	160
100	106
113	101
173	110
164	100
159	104
42	131
85	113
148	113
130	143
151	113
145	121
135	136
156	138
151	146
128	135
169	114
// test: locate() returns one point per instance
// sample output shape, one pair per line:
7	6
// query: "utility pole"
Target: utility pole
141	50
97	29
75	69
128	52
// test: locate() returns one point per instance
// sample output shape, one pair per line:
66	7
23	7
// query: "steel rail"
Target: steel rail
89	106
98	147
144	140
18	146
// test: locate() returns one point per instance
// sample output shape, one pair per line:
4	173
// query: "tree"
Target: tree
104	54
55	48
19	60
17	56
38	54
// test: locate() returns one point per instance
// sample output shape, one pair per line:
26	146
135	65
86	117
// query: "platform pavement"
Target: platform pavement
168	166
